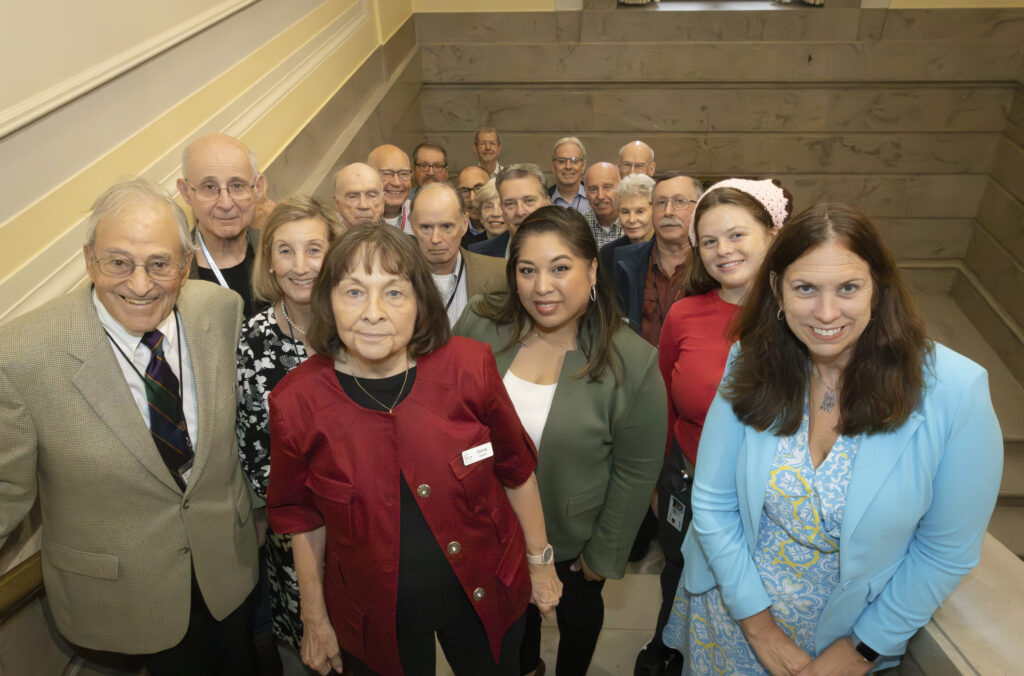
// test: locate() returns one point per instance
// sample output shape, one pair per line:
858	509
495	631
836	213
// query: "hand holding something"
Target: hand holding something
839	659
320	650
588	572
547	588
776	651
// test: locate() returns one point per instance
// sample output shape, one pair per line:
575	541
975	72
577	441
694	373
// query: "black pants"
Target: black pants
580	616
210	648
465	646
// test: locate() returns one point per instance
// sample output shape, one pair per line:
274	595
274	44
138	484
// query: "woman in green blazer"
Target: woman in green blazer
590	395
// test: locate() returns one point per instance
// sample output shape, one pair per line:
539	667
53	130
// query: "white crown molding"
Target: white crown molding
31	109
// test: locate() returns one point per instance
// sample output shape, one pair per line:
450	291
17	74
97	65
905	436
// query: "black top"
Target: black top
239	279
427	584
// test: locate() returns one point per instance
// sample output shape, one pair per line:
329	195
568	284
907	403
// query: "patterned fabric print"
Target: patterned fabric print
265	356
797	556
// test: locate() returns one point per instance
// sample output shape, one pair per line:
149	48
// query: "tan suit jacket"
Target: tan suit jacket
119	539
484	274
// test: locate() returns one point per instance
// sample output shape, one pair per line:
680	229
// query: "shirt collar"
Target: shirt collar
125	339
455	271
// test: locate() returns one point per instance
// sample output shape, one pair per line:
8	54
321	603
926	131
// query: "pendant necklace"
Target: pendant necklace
828	400
378	401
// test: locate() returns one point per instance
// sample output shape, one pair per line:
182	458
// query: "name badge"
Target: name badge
477	453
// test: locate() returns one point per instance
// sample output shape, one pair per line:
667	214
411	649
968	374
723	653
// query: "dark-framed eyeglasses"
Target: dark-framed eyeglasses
431	166
467	190
562	161
120	267
678	203
209	191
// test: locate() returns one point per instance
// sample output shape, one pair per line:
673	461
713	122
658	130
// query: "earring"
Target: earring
778	314
271	271
593	293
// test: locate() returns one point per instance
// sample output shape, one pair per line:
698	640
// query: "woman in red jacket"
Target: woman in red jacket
400	468
733	224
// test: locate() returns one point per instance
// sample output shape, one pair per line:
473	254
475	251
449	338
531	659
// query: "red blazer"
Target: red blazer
336	464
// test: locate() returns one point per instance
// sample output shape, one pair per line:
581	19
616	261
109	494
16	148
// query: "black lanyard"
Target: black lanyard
458	278
181	375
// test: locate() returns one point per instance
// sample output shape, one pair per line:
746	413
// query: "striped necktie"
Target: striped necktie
166	415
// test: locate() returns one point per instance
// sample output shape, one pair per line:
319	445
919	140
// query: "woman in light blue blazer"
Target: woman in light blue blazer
847	469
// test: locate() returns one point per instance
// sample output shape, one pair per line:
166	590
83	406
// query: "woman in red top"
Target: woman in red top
733	224
401	469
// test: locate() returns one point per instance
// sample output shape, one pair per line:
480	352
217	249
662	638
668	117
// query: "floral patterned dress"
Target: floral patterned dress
797	556
265	355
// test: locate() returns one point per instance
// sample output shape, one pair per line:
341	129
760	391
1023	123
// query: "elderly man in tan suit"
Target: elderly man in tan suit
117	408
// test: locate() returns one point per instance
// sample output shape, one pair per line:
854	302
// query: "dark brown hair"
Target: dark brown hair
699	280
882	382
397	254
601	318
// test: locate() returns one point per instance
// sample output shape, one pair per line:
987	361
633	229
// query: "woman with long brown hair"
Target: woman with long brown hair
846	470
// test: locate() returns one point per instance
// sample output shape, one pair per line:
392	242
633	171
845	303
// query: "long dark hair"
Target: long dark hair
601	318
397	254
882	382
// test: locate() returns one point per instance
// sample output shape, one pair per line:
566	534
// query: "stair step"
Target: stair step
1006	526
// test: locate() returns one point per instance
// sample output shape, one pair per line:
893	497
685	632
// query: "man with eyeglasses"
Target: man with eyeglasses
470	180
487	145
117	410
430	164
521	191
568	163
650	276
222	183
392	164
439	222
359	195
636	157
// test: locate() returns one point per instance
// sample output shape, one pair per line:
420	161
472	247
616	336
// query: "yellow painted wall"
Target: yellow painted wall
391	15
483	6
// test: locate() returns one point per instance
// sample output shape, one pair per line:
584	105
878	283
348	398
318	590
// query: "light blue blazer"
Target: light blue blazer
918	503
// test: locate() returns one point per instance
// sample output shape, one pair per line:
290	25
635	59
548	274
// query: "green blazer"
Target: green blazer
601	450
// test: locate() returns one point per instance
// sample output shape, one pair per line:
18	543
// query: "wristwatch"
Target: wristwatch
546	556
866	652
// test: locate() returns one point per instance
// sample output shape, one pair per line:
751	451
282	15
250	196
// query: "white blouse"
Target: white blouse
532	403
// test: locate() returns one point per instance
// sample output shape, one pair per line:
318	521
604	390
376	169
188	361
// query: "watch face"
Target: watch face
548	555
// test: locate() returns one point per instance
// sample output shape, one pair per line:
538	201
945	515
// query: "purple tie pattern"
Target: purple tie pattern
166	414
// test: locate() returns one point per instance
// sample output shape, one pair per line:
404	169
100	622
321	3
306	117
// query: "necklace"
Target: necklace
828	400
288	319
379	402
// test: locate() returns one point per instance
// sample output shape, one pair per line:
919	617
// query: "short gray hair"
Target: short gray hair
120	196
569	139
635	185
486	192
476	136
522	170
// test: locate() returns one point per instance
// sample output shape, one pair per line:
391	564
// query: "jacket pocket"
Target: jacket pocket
590	499
877	583
91	564
334	500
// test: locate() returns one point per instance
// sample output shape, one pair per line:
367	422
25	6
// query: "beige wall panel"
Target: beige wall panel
696	108
1006	344
725	62
1008	168
727	153
30	645
1006	25
925	238
788	23
391	16
998	271
928	280
1015	118
518	27
1003	217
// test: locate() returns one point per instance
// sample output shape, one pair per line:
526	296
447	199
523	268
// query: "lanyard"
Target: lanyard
405	218
209	259
458	279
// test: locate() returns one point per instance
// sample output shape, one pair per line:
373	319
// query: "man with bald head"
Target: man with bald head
439	222
470	180
392	164
358	195
603	217
649	276
636	157
222	183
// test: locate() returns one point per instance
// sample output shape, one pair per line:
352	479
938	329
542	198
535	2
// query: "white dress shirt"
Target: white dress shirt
445	284
131	345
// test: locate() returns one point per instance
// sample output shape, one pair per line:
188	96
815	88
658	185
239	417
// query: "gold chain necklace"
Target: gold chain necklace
379	402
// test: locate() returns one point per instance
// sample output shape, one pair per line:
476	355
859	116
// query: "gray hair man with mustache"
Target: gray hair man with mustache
650	276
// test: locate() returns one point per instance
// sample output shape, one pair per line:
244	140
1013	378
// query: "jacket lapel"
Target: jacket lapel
102	384
195	327
877	456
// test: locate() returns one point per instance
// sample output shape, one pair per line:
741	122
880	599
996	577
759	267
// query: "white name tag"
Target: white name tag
477	453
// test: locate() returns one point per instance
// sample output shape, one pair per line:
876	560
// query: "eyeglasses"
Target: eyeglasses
115	266
209	191
633	166
431	166
388	174
562	161
465	191
678	203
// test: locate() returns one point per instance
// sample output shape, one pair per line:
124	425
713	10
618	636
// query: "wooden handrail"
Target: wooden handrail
20	585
